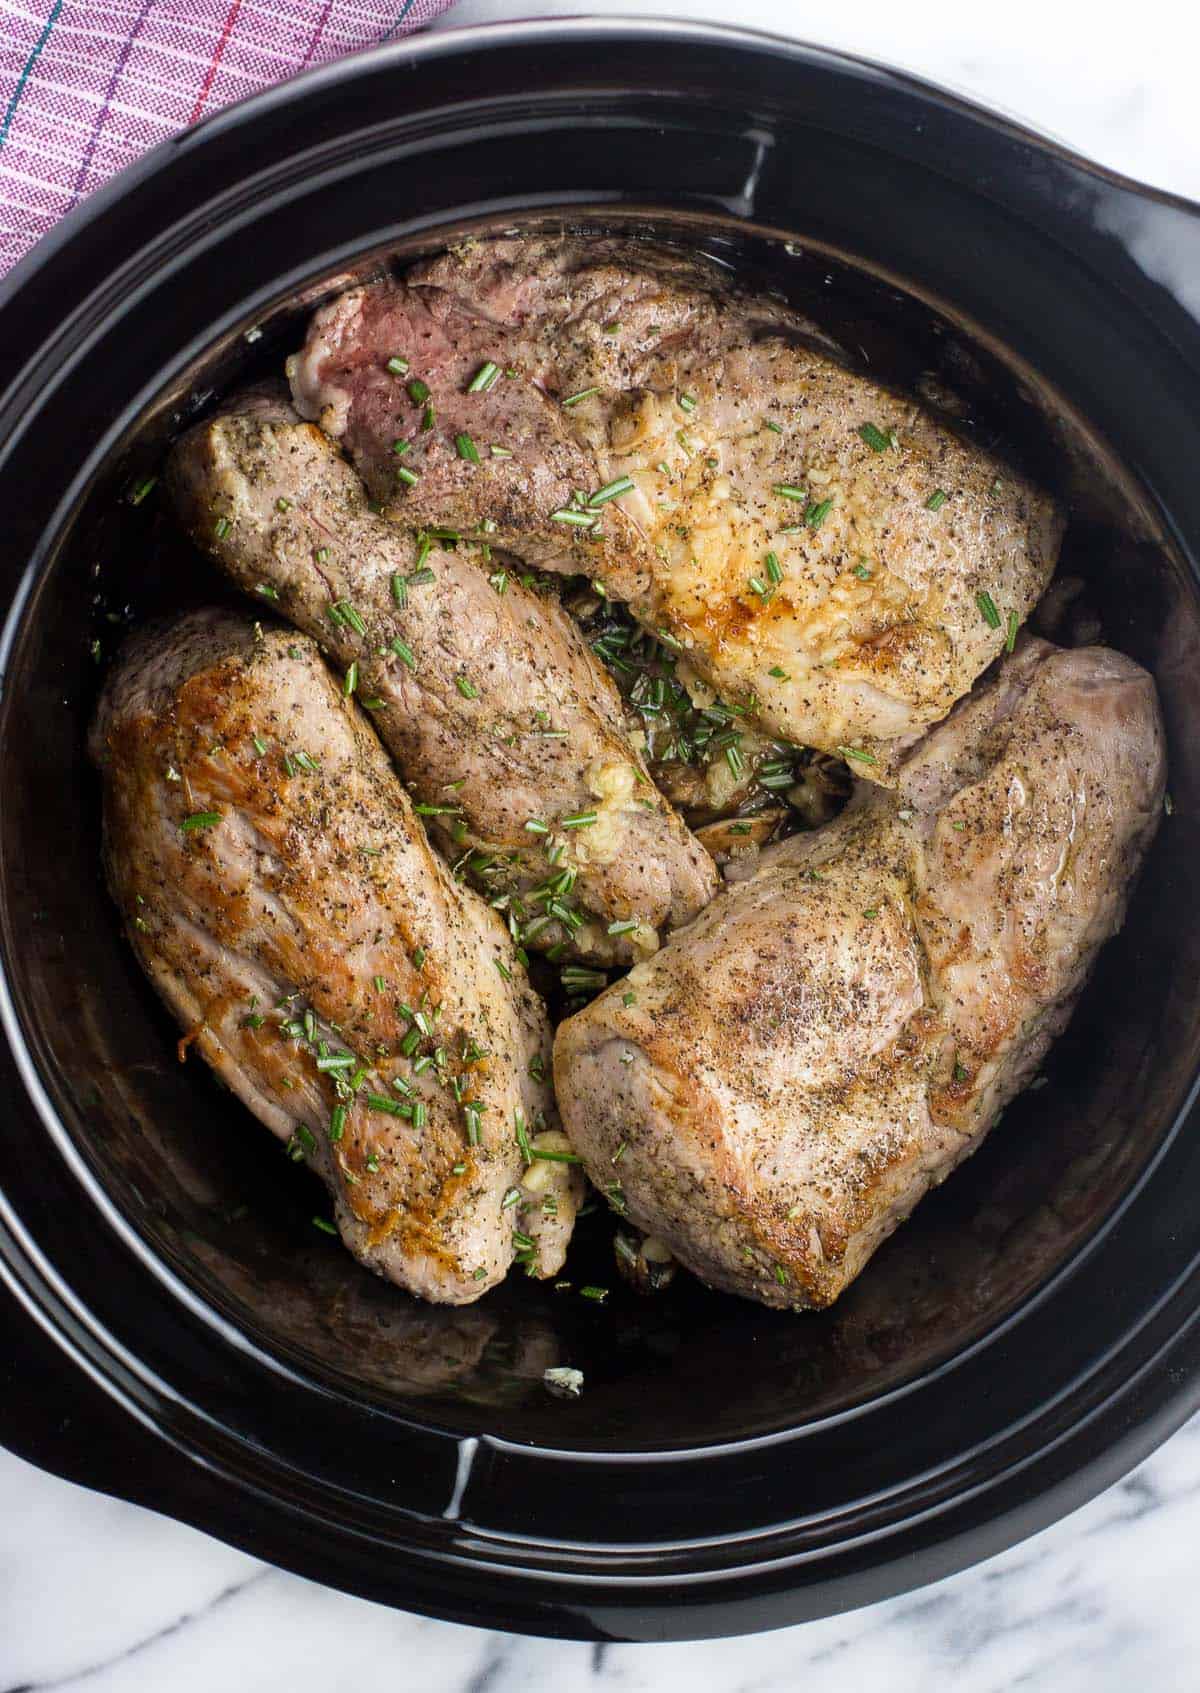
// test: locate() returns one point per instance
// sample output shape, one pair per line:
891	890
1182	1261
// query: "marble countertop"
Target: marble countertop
98	1594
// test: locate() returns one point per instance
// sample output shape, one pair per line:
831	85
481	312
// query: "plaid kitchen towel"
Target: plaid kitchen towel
86	85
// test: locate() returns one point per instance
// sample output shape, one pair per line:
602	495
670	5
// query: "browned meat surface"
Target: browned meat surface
502	722
610	314
775	1090
499	462
283	899
853	594
819	546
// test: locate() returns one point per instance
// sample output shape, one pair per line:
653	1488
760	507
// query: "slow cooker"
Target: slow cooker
172	1328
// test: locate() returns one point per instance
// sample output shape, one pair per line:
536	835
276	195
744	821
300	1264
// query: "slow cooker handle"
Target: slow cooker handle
1160	235
53	1415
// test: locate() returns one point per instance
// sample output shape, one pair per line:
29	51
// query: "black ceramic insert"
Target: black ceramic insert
171	1326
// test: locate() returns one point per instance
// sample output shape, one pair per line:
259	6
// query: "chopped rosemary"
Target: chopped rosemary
874	437
200	820
1010	639
399	589
404	653
625	926
407	476
418	391
351	681
789	491
522	1135
779	673
687	402
267	591
583	394
611	491
483	378
775	773
397	365
393	1107
466	448
337	1122
580	820
302	1141
817	512
325	1226
260	746
936	500
861	571
466	687
567	514
987	608
858	753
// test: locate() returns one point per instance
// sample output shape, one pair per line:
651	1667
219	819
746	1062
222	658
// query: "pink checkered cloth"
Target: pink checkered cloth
87	85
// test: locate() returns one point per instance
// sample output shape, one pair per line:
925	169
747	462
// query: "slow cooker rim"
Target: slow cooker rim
427	44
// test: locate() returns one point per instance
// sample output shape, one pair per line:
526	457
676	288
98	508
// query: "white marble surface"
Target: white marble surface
102	1595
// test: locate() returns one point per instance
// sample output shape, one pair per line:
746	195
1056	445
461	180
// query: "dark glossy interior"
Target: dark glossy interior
213	1194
